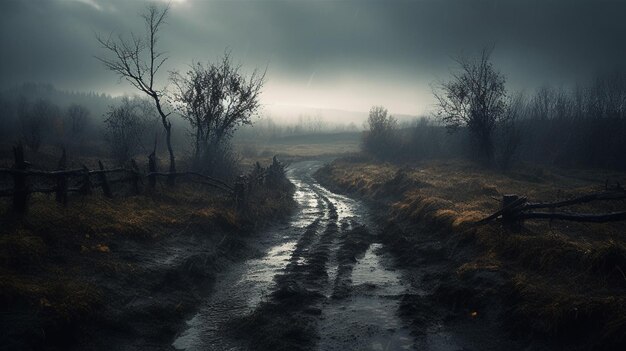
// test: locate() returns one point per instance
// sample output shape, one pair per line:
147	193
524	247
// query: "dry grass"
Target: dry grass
54	260
565	278
43	254
298	147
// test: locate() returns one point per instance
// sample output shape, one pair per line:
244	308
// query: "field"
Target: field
299	147
560	280
119	271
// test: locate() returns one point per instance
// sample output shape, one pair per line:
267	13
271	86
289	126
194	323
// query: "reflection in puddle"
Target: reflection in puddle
368	271
243	286
367	320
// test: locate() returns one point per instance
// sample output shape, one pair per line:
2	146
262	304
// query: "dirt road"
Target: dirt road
322	281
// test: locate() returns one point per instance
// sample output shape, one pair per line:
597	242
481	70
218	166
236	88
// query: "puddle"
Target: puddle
367	320
369	271
244	285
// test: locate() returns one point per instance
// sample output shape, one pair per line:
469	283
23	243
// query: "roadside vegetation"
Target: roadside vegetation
99	265
126	268
547	282
555	280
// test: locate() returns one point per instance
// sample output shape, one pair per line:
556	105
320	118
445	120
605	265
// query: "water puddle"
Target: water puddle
241	288
369	272
367	320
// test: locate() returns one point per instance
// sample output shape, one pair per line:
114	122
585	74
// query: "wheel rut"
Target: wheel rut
332	290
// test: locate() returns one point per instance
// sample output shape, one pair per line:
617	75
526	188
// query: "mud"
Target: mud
324	282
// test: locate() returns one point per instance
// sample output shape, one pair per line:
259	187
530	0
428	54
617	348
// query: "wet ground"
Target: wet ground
325	267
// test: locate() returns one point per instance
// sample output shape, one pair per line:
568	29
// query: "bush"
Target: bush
381	139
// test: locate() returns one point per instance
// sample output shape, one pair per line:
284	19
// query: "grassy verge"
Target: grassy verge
131	264
563	282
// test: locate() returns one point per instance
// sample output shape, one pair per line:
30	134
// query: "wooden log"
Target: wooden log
576	217
209	180
508	207
152	169
507	201
69	172
20	191
240	192
106	189
135	178
607	195
61	188
86	186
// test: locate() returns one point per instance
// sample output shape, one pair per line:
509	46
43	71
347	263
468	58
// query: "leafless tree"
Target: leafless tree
126	127
35	120
75	125
380	137
216	99
138	61
508	133
475	97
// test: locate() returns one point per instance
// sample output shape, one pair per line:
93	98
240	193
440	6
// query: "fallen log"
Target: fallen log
576	217
607	195
503	210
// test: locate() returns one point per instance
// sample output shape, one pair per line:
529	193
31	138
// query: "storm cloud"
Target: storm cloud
334	54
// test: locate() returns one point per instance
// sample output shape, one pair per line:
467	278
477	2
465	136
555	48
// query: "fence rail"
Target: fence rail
22	171
515	209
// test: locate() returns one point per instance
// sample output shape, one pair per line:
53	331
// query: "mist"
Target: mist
312	175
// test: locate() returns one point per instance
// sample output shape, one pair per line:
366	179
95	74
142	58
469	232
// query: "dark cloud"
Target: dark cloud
342	54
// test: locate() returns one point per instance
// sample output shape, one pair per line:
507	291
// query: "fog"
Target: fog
344	55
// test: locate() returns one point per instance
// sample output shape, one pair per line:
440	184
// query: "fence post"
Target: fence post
20	191
507	216
61	188
135	178
240	192
105	183
85	188
152	168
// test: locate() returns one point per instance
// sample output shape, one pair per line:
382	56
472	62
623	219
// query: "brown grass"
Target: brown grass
565	278
53	259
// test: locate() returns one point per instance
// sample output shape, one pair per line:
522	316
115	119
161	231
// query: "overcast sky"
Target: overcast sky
347	54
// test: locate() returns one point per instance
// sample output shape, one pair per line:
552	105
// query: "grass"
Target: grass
298	147
57	264
563	279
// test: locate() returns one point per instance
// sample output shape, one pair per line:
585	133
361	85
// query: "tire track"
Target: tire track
332	293
288	319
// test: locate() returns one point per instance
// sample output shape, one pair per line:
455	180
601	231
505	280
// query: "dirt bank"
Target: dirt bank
120	273
548	285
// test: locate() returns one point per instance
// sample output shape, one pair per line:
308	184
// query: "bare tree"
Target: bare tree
75	125
508	133
380	138
35	121
475	98
126	127
138	61
216	99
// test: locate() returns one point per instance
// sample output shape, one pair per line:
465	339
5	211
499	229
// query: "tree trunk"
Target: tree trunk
167	125
20	191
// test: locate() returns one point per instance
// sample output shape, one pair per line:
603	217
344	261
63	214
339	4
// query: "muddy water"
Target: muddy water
359	308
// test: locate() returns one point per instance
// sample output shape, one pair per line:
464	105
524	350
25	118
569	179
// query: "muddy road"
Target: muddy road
322	281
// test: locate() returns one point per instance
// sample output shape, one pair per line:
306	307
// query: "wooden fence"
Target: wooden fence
515	209
21	172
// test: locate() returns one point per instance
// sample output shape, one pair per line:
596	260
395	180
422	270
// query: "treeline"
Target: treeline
478	118
59	117
267	129
84	124
192	115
